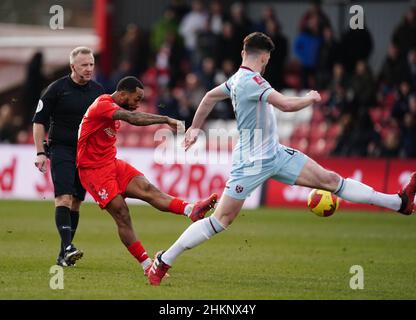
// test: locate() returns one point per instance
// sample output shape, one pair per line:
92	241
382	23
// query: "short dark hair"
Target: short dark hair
129	84
258	41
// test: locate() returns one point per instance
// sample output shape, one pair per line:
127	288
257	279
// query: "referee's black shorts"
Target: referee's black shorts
64	172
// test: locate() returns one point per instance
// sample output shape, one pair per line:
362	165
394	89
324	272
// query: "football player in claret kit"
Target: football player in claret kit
110	180
259	156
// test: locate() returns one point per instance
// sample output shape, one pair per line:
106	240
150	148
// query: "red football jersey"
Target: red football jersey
97	134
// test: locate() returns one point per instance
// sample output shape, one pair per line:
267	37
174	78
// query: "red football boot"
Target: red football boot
408	196
158	270
201	207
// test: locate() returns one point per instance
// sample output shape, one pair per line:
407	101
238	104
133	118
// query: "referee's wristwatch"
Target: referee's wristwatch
41	153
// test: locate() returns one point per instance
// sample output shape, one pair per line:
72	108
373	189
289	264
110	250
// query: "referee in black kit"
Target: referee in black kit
61	107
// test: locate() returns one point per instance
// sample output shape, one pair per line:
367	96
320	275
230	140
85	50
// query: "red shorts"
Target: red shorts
105	183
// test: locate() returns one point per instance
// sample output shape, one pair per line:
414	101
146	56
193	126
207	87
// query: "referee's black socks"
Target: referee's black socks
63	223
74	223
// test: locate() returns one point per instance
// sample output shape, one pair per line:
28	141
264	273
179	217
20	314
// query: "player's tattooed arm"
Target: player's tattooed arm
146	119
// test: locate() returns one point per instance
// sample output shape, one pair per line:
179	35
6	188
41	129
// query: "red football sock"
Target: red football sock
177	206
137	251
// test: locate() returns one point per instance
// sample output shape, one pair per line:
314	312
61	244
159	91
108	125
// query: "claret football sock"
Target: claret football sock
355	191
74	223
194	235
63	223
179	206
137	251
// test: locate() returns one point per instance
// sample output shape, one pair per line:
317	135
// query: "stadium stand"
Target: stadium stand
381	108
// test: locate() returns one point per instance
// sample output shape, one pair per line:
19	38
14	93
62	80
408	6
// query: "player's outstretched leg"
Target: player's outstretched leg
315	176
197	233
140	188
120	213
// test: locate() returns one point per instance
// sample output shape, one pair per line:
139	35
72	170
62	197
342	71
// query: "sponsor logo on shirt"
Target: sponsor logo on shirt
110	132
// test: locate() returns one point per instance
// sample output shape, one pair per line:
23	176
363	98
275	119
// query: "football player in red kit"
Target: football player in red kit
110	180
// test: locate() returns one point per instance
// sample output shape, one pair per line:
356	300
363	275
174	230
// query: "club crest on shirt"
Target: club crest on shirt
239	188
259	80
103	194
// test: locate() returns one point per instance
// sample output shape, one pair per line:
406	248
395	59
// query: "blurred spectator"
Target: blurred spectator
307	46
268	14
207	43
207	74
100	77
192	23
404	36
223	109
169	60
189	98
32	87
240	21
355	45
228	68
168	24
393	69
357	135
134	49
391	144
411	68
363	86
167	105
337	102
409	134
9	124
275	69
328	55
123	70
216	17
315	11
230	47
180	7
401	105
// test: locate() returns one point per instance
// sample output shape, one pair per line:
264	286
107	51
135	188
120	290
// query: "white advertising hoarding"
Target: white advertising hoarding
20	179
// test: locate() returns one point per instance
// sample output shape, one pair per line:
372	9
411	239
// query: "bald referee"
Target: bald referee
61	108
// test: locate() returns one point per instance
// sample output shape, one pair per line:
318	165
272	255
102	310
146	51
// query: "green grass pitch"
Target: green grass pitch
266	254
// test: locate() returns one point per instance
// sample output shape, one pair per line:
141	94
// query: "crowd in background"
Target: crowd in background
192	49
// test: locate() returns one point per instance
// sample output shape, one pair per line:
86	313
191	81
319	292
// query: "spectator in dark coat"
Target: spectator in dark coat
355	45
363	86
328	56
404	36
393	69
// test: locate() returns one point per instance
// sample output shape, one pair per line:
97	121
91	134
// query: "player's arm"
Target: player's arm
292	104
147	119
204	109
